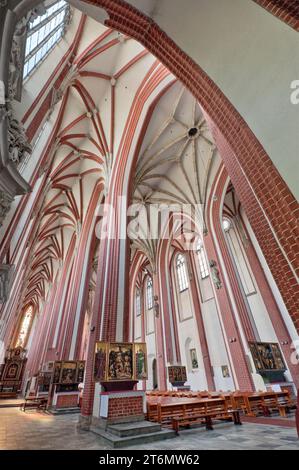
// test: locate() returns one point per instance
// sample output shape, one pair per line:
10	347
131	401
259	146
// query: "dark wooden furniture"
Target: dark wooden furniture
176	412
39	403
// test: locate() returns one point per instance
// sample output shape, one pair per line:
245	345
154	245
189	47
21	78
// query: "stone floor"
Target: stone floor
35	430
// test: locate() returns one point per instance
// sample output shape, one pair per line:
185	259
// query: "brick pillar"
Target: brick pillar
235	349
173	354
159	334
201	328
105	311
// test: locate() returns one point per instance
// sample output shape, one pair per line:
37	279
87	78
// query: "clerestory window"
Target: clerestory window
202	260
43	33
182	273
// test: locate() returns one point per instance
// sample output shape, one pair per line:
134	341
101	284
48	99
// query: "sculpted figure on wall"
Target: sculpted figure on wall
215	274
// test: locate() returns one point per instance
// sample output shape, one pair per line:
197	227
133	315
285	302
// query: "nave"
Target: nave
148	224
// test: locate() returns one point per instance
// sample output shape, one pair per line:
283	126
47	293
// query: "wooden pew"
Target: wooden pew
285	402
211	409
254	404
34	403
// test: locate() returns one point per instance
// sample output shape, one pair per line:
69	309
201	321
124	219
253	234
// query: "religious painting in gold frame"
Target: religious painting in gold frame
68	372
177	374
140	358
100	362
57	372
267	356
80	371
120	362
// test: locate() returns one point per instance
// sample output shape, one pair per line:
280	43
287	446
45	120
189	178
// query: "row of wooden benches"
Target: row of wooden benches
39	403
251	403
182	411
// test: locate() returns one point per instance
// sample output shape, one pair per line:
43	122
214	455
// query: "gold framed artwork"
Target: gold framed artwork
100	363
80	371
177	374
57	371
267	356
140	361
68	372
115	362
120	361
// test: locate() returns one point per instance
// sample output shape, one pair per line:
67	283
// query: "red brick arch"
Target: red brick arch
264	194
286	10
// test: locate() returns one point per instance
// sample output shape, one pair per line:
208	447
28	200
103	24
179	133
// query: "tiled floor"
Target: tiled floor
33	430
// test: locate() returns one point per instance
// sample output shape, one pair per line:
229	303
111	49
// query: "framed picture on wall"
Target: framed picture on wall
80	371
177	374
267	357
140	356
225	372
194	360
278	359
68	372
120	361
100	362
57	371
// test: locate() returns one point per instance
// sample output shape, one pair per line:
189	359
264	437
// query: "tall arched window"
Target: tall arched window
149	294
138	303
25	327
182	273
202	260
43	33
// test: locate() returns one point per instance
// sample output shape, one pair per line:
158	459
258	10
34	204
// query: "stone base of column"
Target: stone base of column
84	423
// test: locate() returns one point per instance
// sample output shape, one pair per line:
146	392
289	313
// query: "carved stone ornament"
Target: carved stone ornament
215	274
5	281
18	146
17	55
5	203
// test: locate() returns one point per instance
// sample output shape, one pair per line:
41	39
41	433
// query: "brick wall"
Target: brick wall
125	406
67	401
285	10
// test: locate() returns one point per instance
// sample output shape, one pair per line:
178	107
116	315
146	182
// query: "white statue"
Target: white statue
215	274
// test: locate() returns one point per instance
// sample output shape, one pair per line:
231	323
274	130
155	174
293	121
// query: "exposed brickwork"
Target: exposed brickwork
243	379
67	401
126	406
285	10
39	116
